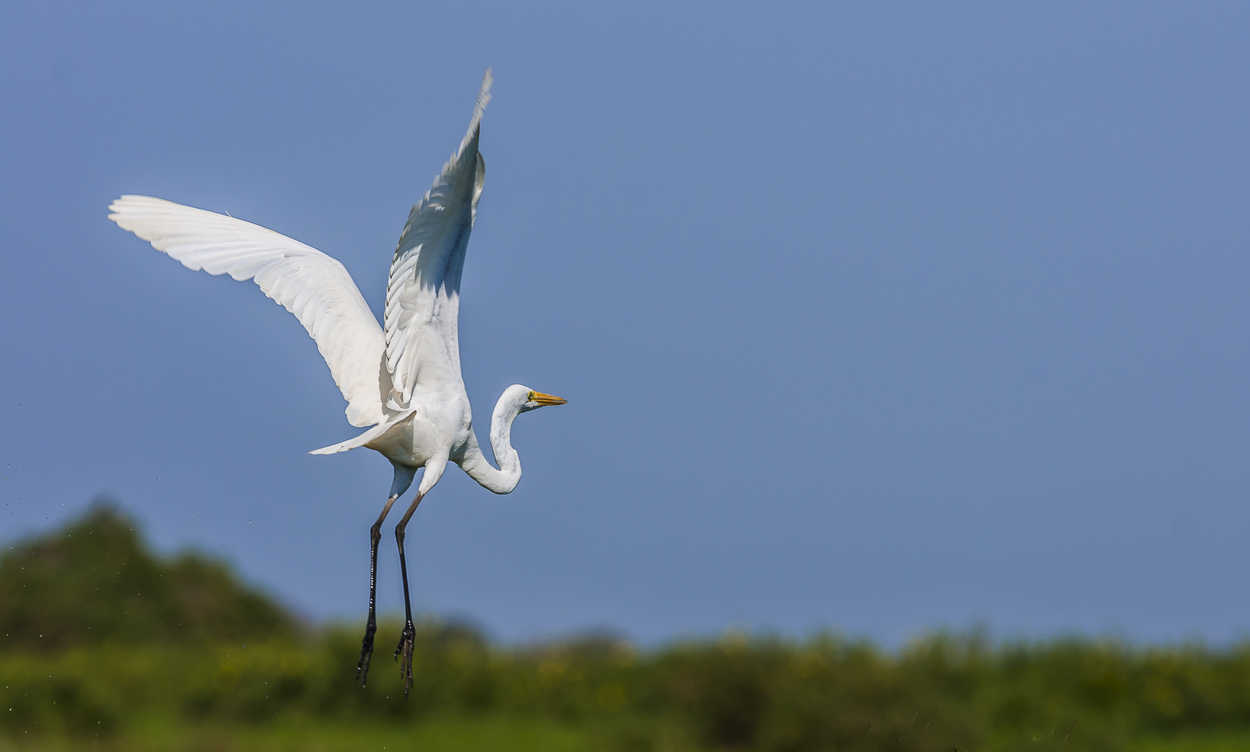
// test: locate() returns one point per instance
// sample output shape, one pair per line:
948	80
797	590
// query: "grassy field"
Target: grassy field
480	734
1195	742
946	692
307	735
106	646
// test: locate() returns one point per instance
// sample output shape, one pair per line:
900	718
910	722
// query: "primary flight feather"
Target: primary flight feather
401	379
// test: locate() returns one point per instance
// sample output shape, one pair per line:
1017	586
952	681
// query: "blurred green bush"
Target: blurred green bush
96	581
101	635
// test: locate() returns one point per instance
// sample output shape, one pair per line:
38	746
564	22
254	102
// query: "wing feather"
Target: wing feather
423	288
308	283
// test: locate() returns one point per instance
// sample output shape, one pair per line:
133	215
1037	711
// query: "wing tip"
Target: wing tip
120	204
483	94
132	203
479	107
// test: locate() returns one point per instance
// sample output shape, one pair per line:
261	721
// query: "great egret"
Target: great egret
402	378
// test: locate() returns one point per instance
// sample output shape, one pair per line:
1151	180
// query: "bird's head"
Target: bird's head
523	399
535	400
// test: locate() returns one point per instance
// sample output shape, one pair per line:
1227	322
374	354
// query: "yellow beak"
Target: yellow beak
546	399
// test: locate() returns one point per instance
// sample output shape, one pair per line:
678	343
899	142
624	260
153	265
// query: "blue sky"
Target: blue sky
874	318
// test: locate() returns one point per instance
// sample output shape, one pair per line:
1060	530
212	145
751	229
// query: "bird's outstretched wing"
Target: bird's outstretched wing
423	290
308	283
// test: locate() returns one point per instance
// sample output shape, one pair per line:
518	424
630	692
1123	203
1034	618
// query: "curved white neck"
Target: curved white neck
504	479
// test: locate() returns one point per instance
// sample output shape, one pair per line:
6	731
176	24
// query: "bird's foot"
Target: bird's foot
366	652
403	654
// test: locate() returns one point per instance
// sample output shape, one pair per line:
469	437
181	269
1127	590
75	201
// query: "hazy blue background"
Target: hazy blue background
877	318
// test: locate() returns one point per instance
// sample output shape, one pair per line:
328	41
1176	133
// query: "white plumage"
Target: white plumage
401	379
308	283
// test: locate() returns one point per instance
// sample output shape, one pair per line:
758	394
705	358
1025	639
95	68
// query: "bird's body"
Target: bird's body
402	378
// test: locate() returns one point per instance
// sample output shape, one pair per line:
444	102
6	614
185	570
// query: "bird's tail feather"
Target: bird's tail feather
364	438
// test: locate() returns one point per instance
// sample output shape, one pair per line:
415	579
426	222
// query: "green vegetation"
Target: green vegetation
96	582
179	656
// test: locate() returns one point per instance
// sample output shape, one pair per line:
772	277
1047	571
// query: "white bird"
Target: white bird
402	378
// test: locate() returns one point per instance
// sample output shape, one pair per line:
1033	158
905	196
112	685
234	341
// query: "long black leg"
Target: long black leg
408	637
366	645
